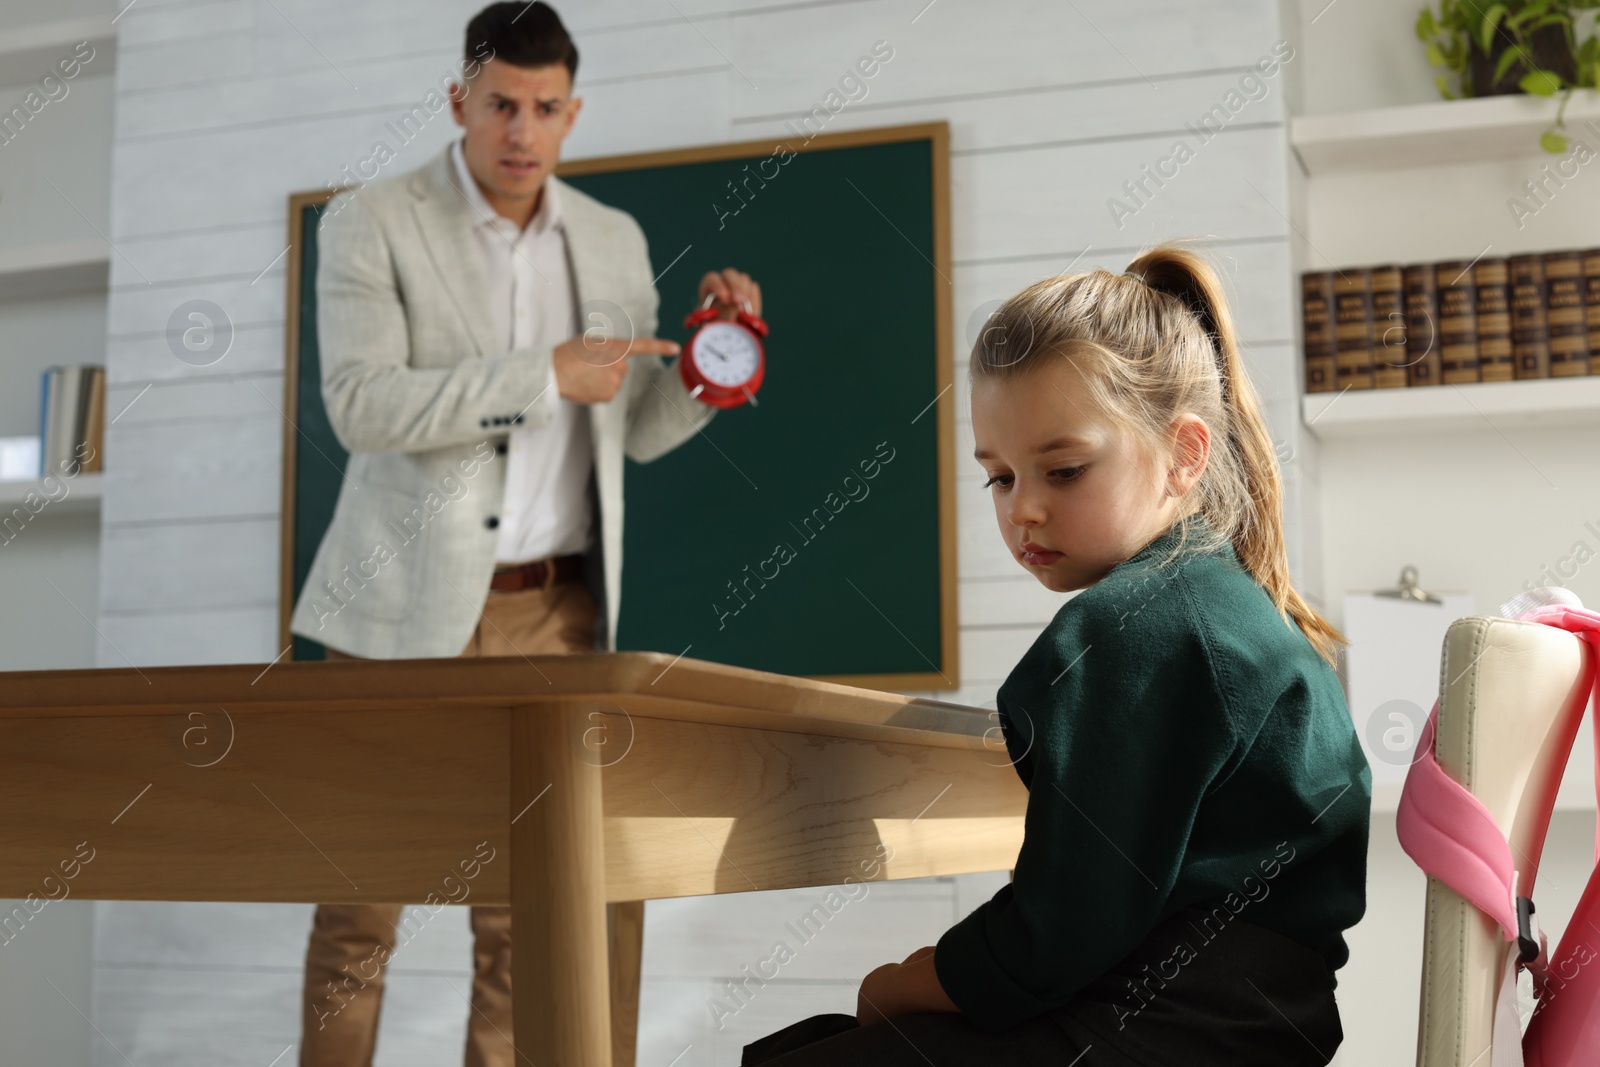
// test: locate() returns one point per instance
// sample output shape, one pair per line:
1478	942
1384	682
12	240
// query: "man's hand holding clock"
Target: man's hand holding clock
724	361
590	367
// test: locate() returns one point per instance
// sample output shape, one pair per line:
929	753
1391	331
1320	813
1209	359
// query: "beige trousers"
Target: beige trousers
344	974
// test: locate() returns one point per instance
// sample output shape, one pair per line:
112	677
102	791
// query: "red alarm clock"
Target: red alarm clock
723	361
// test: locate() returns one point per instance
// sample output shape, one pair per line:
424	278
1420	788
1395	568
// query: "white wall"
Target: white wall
1361	54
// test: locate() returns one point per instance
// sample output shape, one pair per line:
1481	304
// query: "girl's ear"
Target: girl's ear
1191	447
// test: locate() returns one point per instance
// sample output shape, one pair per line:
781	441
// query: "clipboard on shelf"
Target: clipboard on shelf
1392	667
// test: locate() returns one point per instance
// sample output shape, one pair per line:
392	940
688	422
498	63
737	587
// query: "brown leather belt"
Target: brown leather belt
537	574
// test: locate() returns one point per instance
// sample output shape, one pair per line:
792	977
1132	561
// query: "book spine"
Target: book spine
64	416
95	431
56	442
1316	317
1458	321
1422	324
1492	278
1566	314
80	414
1388	328
1530	332
1591	301
1352	328
44	420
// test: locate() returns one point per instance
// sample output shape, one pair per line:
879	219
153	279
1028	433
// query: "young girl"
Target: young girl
1196	833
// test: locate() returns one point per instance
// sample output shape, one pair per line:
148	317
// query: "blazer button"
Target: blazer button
483	423
492	521
500	448
517	420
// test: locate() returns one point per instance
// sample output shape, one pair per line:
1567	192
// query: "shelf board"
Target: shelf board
1541	402
83	491
61	267
31	52
1432	134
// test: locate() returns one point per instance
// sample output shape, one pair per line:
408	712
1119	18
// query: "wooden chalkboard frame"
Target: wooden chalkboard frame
298	202
948	674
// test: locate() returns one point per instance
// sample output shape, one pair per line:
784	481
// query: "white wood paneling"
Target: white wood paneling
795	56
181	566
177	636
1255	273
197	469
844	940
233	251
139	359
135	311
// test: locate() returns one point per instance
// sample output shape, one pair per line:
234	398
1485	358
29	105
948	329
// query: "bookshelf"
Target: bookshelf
27	50
83	492
1429	409
59	267
1435	133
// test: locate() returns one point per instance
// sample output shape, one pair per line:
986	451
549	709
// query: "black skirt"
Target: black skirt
1227	992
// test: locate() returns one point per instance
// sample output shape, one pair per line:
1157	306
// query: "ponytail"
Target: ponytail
1163	341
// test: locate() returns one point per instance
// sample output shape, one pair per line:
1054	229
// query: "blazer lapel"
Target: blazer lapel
588	282
445	220
575	221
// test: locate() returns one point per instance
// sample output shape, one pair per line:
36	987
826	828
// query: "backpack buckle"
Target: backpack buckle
1527	931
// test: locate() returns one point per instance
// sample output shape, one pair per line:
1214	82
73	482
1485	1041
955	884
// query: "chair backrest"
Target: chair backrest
1511	697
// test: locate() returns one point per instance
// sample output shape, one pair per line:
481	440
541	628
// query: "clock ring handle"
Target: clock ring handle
705	313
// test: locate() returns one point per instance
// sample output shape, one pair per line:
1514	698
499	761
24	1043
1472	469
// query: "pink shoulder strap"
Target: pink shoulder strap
1452	837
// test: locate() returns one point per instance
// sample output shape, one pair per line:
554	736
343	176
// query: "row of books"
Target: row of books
72	409
1493	319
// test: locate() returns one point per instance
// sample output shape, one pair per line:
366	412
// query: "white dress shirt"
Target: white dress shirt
547	507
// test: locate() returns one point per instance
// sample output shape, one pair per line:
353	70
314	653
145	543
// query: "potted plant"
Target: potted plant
1526	46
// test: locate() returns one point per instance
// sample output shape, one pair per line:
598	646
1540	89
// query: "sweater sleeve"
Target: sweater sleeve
1125	727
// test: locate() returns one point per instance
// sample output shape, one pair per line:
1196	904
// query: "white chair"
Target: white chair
1511	696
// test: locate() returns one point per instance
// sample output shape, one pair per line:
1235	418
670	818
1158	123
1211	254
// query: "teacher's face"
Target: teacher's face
515	120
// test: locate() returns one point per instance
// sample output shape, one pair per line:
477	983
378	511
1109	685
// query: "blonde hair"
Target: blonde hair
1153	343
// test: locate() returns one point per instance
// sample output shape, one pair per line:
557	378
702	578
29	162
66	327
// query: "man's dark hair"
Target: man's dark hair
522	34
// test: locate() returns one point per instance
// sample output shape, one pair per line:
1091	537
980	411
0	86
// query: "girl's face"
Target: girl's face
1064	480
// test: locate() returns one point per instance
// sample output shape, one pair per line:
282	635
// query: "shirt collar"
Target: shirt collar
548	215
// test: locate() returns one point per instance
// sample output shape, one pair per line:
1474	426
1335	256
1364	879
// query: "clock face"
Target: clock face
726	353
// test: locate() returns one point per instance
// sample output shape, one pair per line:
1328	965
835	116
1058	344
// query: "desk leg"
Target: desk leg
559	968
627	949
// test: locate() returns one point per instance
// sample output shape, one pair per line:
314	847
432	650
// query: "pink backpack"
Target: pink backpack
1453	837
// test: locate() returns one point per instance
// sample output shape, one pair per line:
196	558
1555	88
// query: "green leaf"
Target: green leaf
1491	19
1540	83
1552	142
1426	26
1511	56
1548	20
1444	87
1531	11
1435	57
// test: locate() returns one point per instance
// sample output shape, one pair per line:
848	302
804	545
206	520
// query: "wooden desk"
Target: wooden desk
583	779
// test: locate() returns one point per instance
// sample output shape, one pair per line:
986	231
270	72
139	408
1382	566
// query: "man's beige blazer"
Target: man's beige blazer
422	395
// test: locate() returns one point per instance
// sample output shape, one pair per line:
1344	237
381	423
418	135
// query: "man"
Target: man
487	360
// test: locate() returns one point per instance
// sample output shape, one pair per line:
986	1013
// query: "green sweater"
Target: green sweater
1181	743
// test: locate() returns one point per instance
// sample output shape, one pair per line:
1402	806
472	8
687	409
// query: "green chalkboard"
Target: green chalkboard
809	534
